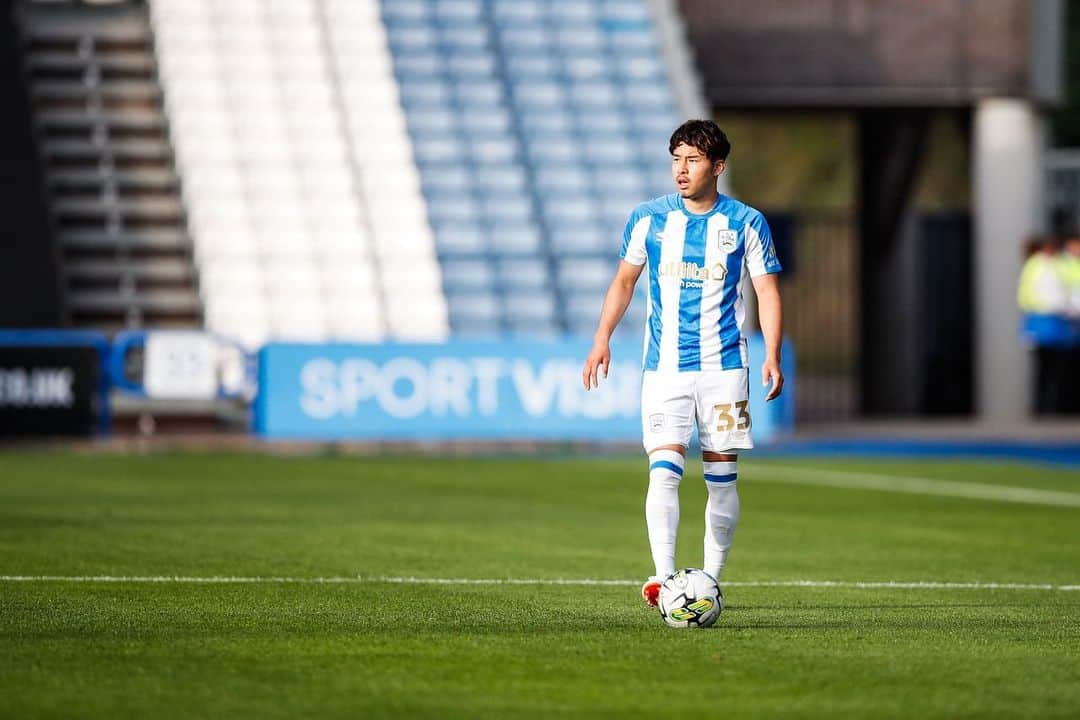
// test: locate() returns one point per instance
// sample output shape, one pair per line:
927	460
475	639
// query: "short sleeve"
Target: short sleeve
760	250
633	246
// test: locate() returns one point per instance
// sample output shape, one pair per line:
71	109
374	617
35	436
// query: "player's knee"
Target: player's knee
720	475
666	467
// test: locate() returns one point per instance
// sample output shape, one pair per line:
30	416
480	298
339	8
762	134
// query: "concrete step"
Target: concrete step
138	271
162	240
133	149
151	207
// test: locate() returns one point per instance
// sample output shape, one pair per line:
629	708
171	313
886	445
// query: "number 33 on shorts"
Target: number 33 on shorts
726	421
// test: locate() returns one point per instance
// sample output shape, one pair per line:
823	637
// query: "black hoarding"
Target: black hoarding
49	390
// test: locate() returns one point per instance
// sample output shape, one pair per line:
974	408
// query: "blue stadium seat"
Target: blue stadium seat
587	273
647	95
441	151
586	66
452	207
527	329
538	95
602	122
407	10
530	66
464	37
592	94
458	10
418	65
582	239
551	122
642	68
563	179
571	12
558	150
484	93
434	123
605	148
495	149
533	306
471	65
450	179
474	312
579	39
529	273
632	42
427	92
460	239
511	240
504	182
517	11
618	206
405	38
486	121
568	210
467	275
515	208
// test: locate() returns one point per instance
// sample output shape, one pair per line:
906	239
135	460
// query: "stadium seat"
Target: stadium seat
460	240
467	275
524	306
528	273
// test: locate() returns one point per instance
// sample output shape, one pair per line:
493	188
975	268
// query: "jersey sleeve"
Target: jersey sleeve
760	251
633	245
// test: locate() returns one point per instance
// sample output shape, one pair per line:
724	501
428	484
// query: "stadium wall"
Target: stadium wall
29	284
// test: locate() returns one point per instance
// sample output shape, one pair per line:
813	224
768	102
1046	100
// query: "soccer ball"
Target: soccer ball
690	598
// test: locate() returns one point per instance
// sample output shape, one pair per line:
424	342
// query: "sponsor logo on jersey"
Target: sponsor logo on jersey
693	272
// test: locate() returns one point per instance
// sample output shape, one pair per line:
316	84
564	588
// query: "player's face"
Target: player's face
695	176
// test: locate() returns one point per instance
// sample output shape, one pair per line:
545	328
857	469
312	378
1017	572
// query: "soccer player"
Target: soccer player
698	245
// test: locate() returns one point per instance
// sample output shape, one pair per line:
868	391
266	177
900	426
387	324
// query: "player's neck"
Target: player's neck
702	203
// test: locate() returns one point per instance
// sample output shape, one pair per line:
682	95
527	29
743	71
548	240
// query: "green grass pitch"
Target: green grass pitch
372	648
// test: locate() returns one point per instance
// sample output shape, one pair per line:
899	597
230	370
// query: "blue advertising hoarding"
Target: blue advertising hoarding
464	391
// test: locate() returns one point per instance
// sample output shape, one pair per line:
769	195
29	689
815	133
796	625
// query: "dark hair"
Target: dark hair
705	135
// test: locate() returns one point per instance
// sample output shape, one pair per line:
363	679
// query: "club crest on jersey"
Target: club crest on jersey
728	240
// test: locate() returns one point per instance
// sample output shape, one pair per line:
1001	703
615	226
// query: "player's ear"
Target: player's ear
718	167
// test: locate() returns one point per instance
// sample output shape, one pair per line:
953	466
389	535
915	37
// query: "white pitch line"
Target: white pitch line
376	579
794	475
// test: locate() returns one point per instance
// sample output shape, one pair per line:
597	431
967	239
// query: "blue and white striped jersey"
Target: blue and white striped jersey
697	264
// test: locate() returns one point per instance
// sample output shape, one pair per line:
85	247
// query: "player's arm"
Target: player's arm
619	295
771	319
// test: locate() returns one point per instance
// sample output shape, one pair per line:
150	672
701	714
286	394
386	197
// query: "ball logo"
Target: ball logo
693	610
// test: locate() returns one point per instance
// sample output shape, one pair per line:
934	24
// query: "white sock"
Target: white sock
721	514
662	508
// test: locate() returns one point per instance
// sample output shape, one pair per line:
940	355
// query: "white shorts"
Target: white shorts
717	400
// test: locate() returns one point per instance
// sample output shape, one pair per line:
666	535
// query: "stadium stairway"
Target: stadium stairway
125	255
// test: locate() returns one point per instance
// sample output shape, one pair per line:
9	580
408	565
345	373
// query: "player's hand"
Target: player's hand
599	356
770	372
